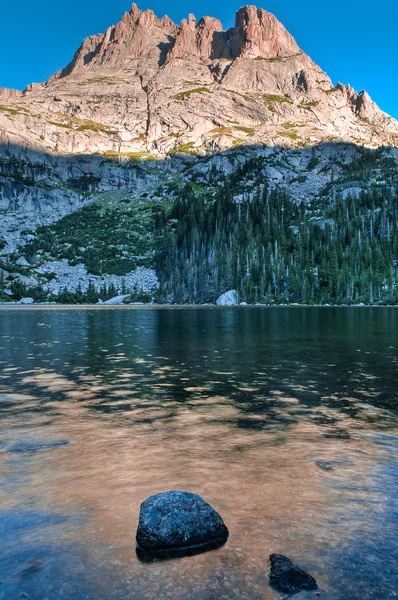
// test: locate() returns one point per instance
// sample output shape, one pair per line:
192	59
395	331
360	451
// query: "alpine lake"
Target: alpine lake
284	419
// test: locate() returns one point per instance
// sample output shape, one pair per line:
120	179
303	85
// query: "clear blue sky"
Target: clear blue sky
354	42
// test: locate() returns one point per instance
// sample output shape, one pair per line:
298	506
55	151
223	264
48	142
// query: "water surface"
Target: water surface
284	419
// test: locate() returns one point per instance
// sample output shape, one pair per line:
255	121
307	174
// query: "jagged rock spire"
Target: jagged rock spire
257	33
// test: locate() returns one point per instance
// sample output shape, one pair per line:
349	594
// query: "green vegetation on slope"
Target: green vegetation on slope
204	238
187	93
14	111
273	99
272	249
277	98
97	127
332	90
244	96
111	239
293	135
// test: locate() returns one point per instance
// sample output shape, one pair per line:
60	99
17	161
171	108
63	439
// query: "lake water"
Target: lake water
284	419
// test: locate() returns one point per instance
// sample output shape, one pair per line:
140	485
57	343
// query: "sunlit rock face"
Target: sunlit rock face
148	85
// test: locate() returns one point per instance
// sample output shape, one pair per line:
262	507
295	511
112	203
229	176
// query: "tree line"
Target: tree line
271	248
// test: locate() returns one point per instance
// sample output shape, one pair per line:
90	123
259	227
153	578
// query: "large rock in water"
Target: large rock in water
287	578
178	521
228	299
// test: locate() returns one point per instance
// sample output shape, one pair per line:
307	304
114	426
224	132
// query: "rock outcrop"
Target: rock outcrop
148	87
260	34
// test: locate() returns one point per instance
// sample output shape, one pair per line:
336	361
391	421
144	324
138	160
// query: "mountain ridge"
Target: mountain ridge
150	86
175	162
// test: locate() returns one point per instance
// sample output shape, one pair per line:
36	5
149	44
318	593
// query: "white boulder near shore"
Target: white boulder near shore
228	299
26	301
118	299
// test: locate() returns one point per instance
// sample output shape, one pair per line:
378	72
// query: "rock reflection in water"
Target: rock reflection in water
244	407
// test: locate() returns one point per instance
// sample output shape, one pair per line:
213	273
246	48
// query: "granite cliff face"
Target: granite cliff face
151	87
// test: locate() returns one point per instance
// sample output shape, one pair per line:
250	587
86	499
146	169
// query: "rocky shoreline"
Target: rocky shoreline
177	523
153	305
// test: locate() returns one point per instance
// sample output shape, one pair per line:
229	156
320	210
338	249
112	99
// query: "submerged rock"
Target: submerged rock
178	520
35	446
337	433
287	578
324	464
228	299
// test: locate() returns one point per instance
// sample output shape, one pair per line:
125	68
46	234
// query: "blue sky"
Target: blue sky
354	42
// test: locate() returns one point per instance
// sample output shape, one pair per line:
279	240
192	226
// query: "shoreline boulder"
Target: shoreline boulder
118	299
177	520
287	578
228	299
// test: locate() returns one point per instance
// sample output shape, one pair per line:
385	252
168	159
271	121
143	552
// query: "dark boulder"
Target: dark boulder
287	578
174	521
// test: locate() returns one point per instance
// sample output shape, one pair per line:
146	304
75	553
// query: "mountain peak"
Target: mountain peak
148	85
257	34
262	34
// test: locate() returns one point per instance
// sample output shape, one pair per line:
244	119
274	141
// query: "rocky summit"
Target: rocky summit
99	164
149	87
